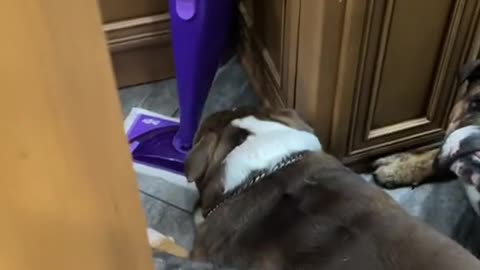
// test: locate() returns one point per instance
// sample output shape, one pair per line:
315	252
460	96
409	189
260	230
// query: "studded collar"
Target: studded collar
254	178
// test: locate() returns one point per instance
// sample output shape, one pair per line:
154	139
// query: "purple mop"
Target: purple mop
200	30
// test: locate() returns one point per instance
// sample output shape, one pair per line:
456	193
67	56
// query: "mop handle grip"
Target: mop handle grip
185	9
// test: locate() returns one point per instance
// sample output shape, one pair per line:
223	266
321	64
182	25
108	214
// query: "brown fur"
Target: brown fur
416	168
312	214
405	169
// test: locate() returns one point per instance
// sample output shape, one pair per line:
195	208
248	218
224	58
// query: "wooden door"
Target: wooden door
69	199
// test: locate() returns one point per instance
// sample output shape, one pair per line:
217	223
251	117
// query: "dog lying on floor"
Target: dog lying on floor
272	199
460	151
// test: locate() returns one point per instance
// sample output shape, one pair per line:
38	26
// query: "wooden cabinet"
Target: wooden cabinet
138	35
372	76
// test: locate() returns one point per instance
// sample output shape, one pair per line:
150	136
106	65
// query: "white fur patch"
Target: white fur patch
268	144
452	143
473	196
197	217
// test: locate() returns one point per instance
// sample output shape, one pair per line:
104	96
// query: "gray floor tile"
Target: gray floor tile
231	88
154	210
133	97
169	220
162	97
178	224
167	262
171	190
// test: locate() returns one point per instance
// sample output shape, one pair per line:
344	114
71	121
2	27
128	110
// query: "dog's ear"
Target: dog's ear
198	158
291	118
469	72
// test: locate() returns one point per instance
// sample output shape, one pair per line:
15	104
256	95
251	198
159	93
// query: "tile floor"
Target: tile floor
231	88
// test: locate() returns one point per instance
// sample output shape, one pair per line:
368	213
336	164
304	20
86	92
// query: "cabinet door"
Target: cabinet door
384	71
396	73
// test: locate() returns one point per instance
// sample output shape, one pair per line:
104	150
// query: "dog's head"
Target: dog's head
230	145
460	151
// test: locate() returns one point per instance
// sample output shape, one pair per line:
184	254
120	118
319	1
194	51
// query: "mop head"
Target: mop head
166	185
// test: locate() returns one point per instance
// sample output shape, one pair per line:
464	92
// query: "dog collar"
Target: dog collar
255	178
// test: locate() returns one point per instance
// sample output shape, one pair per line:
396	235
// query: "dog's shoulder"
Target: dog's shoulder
322	174
326	211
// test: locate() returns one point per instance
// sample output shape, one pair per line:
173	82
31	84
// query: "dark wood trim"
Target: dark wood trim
319	40
275	85
258	64
380	58
290	43
138	32
365	165
345	79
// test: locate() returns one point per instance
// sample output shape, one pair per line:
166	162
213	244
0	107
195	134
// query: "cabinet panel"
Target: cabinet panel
410	50
404	68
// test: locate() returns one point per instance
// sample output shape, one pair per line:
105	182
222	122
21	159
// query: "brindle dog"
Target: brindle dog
460	151
308	211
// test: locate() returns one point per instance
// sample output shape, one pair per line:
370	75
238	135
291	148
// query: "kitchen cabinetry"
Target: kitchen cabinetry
372	76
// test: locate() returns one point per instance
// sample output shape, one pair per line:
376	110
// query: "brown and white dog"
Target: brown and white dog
460	151
272	199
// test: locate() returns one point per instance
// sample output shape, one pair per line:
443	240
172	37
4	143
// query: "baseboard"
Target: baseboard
141	49
258	68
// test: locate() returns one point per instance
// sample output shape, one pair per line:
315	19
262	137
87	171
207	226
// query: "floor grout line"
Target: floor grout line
140	104
175	112
160	200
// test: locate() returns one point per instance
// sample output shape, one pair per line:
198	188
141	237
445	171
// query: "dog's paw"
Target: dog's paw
396	171
391	159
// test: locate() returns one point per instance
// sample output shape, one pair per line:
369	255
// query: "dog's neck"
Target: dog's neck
254	178
267	145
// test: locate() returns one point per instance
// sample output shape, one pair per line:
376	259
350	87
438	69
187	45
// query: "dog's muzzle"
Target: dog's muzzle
460	153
